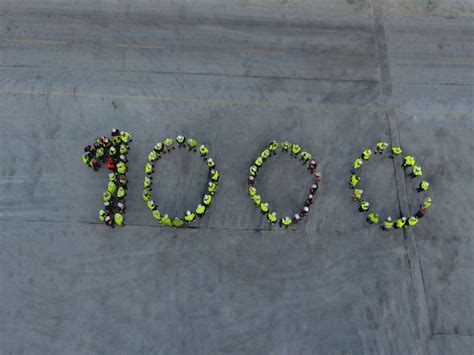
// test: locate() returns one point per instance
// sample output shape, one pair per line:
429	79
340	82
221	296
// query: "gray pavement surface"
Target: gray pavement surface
335	76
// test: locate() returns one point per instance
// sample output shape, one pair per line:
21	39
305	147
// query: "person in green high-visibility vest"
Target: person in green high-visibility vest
273	146
416	171
366	154
252	191
190	217
210	163
358	163
118	219
295	149
285	221
381	146
412	221
214	175
207	200
146	195
258	200
158	148
178	222
424	186
200	210
373	218
272	218
357	195
192	143
165	220
285	146
151	205
388	224
396	150
157	214
364	206
211	188
121	192
354	181
400	223
203	151
253	170
181	141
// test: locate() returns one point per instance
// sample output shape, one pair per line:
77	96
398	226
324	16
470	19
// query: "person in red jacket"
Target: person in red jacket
111	164
421	212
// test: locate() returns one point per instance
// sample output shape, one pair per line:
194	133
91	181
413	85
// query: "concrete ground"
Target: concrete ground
335	76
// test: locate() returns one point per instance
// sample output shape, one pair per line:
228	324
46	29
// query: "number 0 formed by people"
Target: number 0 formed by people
166	147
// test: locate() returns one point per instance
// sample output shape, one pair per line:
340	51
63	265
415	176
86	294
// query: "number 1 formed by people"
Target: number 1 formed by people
112	152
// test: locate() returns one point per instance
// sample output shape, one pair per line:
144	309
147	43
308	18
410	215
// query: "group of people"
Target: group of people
295	150
168	146
364	206
112	152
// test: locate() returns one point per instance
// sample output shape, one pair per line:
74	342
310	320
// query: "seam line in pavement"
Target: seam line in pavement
400	181
230	102
31	41
276	229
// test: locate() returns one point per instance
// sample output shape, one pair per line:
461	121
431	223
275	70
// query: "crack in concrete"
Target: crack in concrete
400	181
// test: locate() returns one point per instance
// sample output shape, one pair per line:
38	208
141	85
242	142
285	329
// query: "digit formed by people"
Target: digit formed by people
409	164
295	150
112	152
167	146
